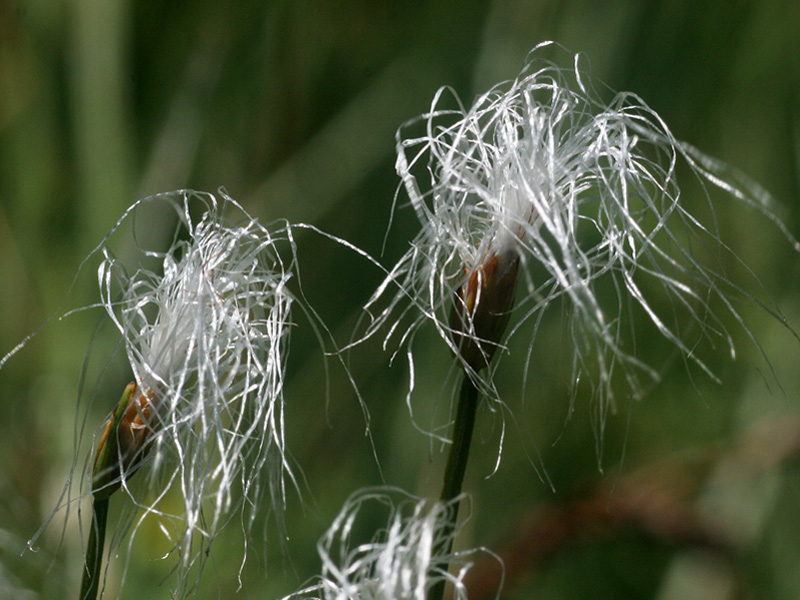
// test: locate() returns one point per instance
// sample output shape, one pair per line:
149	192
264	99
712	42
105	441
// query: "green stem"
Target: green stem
454	472
94	550
462	438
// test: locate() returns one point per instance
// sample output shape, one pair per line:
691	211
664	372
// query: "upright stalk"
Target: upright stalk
462	438
118	454
94	550
480	314
454	472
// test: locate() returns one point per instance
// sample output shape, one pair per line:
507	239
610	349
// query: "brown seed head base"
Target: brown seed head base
483	306
122	455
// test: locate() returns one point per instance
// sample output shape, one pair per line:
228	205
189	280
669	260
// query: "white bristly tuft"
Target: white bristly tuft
397	563
206	336
585	193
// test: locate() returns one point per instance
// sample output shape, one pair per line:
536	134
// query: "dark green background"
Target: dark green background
292	107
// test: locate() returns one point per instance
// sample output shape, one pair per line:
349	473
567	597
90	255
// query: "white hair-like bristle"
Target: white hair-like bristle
585	192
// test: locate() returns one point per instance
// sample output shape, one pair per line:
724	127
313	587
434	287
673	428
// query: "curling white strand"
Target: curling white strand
586	194
399	563
206	337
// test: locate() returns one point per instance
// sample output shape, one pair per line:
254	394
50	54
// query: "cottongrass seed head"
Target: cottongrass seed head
541	193
402	561
205	333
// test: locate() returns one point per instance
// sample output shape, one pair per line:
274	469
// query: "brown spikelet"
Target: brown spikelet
483	306
121	453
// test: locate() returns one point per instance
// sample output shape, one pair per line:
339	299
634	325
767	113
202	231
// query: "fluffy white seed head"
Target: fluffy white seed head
399	562
585	194
205	334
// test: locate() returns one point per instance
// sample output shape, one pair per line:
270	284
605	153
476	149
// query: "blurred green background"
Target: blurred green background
292	107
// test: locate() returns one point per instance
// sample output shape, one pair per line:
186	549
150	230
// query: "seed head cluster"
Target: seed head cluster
404	560
540	196
205	334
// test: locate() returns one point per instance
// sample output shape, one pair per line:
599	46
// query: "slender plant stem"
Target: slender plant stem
462	438
94	550
456	467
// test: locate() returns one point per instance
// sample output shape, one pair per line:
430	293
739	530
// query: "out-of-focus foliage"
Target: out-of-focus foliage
292	107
